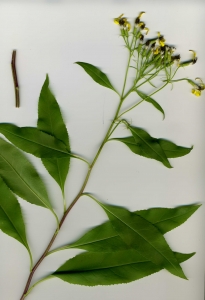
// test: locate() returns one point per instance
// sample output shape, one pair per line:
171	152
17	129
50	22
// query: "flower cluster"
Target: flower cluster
153	54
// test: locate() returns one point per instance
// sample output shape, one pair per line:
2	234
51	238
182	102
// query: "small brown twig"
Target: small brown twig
16	86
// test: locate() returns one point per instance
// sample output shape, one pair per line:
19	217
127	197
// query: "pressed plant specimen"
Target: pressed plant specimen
130	245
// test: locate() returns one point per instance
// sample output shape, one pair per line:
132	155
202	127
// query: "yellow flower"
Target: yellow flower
117	20
196	92
137	21
143	12
122	22
198	87
161	40
157	51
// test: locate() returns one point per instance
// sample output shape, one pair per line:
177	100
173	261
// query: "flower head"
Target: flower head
117	20
137	21
122	22
190	62
197	87
157	50
161	40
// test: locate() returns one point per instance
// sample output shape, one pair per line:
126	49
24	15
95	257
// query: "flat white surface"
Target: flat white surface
49	37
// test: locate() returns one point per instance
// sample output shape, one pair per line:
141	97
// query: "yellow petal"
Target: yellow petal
143	12
196	92
156	51
161	43
116	20
128	26
194	53
147	30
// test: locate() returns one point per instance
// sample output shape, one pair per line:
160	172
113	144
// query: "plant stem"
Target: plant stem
26	289
15	78
143	100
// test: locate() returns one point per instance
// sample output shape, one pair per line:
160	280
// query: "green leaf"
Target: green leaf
95	268
97	75
144	237
171	150
152	101
34	141
50	121
21	177
11	220
143	144
166	219
104	237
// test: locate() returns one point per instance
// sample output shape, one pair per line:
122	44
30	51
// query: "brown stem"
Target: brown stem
15	79
52	240
81	190
68	210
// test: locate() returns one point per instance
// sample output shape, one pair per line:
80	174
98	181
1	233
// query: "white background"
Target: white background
49	37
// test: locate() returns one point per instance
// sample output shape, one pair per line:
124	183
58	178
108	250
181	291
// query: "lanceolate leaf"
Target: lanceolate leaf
171	150
50	121
34	141
21	177
143	144
97	75
141	235
11	220
97	268
152	101
104	237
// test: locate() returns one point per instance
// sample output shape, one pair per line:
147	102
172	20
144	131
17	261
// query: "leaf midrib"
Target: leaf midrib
168	150
26	139
172	218
22	239
103	268
142	237
76	245
152	101
150	146
107	83
15	171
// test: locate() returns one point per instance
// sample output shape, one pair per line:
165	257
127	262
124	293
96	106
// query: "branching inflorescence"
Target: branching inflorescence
130	245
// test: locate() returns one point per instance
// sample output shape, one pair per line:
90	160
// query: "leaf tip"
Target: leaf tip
198	205
46	82
169	166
